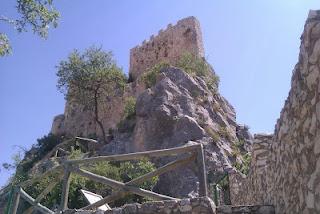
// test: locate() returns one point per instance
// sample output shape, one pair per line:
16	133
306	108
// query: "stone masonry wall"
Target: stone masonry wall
187	206
253	188
294	162
167	46
292	178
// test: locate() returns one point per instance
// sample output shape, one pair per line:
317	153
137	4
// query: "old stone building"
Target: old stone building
167	46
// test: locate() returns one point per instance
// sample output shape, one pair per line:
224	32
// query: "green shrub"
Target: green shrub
197	66
243	167
38	151
193	65
128	123
150	77
225	133
189	63
214	135
130	108
240	144
123	171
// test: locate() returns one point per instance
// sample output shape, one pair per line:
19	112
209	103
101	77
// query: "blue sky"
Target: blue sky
252	45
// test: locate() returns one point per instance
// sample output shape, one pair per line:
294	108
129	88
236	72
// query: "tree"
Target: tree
91	79
35	14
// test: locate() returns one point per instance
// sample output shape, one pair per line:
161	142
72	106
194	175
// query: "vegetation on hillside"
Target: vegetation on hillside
120	171
128	122
193	65
239	151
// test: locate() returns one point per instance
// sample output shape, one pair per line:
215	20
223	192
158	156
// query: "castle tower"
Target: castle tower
167	46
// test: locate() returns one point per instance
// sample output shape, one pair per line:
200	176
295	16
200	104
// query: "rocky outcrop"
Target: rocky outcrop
180	109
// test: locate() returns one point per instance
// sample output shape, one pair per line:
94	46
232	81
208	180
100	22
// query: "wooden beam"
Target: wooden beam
51	171
166	168
163	169
39	207
87	139
51	153
63	151
44	193
119	185
137	155
16	201
202	172
65	189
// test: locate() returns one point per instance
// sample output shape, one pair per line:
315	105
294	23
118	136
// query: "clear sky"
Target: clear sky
253	46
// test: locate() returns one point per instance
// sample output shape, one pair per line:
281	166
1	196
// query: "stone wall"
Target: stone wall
167	46
257	209
294	162
187	206
253	188
292	175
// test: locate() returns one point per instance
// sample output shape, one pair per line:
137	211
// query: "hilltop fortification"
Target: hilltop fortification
167	46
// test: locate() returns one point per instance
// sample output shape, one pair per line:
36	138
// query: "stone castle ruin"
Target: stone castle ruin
167	46
180	110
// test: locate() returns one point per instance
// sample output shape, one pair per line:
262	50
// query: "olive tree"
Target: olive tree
91	79
35	14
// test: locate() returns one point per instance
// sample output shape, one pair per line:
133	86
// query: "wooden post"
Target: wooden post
65	189
202	172
118	194
32	201
121	186
44	193
16	201
51	171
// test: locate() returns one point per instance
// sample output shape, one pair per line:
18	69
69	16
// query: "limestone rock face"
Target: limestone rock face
180	109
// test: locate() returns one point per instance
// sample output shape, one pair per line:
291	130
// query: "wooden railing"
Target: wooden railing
67	167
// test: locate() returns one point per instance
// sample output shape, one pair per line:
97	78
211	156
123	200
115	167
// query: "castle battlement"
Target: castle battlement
167	46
